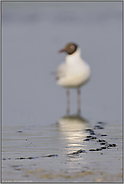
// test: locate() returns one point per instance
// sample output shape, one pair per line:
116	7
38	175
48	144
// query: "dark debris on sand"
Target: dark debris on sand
90	131
104	144
77	152
53	155
92	136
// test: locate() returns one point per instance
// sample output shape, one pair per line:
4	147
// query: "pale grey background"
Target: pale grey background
32	34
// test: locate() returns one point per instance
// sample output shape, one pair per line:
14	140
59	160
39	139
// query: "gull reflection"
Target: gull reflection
71	129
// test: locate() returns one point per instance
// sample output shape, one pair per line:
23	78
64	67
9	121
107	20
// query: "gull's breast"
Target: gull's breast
75	76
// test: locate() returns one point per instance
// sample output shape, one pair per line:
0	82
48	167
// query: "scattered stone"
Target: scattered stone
101	140
87	139
27	158
104	147
92	150
102	143
97	149
19	131
91	137
54	155
81	151
90	131
21	158
103	135
101	123
98	127
77	152
112	145
30	157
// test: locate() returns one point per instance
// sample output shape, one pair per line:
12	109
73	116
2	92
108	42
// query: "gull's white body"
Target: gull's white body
74	72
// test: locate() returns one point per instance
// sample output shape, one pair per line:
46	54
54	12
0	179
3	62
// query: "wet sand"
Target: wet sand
70	150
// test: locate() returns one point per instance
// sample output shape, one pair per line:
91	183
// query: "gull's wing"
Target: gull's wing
61	71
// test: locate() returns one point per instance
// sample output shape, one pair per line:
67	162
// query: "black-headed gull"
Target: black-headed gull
72	73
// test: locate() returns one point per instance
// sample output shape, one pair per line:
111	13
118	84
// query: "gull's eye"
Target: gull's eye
72	46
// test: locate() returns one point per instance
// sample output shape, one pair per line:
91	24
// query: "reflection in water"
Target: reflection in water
72	132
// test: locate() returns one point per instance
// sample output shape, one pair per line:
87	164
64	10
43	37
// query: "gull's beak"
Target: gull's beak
63	50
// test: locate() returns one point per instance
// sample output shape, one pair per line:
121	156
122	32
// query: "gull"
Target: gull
73	73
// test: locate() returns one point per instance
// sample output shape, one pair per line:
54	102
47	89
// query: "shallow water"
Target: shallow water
39	142
38	153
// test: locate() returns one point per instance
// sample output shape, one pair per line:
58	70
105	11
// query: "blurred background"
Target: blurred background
32	34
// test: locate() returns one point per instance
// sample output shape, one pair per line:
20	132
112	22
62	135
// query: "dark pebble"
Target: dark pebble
98	127
103	135
77	152
104	147
101	140
21	158
81	151
19	131
4	158
87	139
92	150
102	143
90	131
51	155
97	149
30	158
101	123
91	137
112	145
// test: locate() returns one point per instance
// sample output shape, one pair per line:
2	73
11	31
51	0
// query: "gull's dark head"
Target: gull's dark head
69	48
